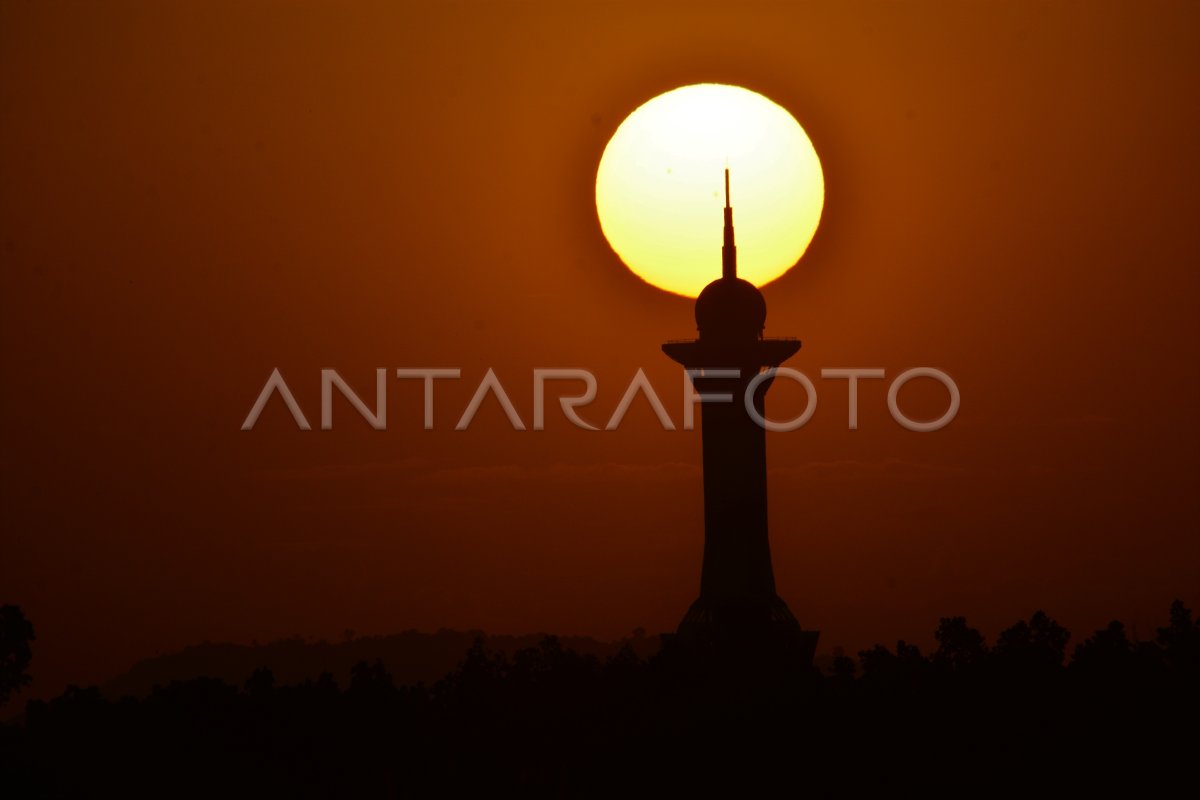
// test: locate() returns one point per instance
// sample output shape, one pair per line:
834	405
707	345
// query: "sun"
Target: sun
660	187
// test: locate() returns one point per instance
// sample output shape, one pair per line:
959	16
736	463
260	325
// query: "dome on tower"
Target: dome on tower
731	308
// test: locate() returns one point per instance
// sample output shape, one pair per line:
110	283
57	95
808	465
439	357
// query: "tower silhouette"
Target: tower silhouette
738	612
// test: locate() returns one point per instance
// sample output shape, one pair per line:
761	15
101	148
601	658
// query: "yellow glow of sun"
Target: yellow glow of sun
660	187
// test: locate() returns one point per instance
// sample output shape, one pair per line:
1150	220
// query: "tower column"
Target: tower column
737	553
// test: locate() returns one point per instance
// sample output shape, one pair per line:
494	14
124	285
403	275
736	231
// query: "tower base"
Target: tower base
752	633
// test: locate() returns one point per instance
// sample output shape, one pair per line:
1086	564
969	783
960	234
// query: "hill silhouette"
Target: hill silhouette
411	657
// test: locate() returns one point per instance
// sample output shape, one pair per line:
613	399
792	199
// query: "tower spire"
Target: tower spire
728	250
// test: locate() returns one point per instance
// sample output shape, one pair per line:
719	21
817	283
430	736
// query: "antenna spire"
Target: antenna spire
728	250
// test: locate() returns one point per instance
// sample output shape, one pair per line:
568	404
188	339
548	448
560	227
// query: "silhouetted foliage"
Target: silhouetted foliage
1108	650
843	667
1034	646
546	720
960	647
260	682
904	668
1180	640
16	637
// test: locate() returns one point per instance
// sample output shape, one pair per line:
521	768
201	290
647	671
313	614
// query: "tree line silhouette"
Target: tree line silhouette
549	721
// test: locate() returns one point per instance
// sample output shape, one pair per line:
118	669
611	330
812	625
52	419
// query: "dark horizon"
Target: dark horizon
546	719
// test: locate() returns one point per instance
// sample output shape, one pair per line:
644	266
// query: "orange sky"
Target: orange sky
192	194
